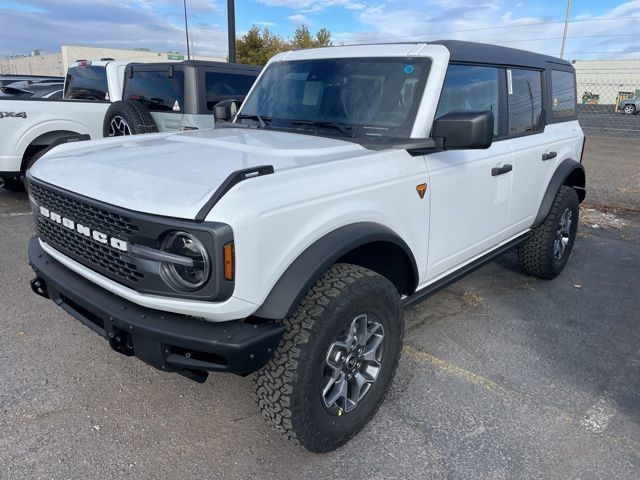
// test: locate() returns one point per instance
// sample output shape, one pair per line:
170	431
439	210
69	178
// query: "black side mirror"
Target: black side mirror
225	110
464	130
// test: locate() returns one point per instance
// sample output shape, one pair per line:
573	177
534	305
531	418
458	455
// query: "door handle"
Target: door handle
549	156
495	171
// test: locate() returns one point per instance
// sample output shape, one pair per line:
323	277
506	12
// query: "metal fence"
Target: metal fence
600	112
612	152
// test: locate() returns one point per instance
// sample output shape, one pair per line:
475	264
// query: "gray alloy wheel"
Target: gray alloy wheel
629	109
352	365
563	234
118	127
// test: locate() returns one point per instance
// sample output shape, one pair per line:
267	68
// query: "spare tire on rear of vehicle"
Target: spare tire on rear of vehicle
127	117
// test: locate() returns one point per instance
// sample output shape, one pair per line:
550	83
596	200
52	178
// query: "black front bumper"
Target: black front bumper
168	341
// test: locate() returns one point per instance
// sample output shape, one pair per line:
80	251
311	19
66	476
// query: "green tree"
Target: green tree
302	38
323	38
258	45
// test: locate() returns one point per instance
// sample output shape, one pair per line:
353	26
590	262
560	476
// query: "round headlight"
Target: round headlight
182	277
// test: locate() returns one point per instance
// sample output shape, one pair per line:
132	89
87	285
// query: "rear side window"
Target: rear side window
226	86
87	83
525	101
469	87
156	90
563	86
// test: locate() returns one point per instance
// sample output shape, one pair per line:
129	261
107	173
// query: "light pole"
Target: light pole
566	28
186	29
231	28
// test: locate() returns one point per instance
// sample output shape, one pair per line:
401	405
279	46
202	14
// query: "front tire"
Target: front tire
336	360
546	253
630	109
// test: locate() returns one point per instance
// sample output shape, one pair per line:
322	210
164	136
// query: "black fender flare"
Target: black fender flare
560	177
298	278
61	140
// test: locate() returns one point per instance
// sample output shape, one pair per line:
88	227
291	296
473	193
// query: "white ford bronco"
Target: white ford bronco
353	182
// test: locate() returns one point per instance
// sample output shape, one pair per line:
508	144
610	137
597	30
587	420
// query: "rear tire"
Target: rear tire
336	360
545	254
127	117
630	109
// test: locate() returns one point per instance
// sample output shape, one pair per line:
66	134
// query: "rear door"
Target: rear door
533	144
469	199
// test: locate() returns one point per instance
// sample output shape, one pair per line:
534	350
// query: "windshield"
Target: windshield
371	97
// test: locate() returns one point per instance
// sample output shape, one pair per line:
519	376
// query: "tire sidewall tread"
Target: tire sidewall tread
535	256
282	387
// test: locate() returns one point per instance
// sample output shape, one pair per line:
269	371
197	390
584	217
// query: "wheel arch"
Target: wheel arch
43	141
570	173
366	244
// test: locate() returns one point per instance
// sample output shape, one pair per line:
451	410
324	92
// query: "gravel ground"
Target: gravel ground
503	376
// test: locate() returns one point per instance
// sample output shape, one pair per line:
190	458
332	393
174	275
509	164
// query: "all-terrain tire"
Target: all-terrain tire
289	387
538	255
127	117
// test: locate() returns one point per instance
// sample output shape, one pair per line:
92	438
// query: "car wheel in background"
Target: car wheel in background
13	184
127	117
630	109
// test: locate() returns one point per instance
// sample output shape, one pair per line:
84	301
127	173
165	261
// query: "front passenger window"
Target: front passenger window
470	88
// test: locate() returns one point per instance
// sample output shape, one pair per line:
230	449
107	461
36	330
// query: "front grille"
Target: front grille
88	252
95	255
111	223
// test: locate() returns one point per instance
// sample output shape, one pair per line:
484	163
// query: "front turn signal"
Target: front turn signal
229	261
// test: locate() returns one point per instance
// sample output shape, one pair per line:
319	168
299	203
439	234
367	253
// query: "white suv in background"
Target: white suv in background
353	182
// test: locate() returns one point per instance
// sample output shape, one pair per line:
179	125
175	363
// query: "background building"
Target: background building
607	78
57	63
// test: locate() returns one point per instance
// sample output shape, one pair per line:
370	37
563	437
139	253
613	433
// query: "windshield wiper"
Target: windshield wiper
261	119
344	128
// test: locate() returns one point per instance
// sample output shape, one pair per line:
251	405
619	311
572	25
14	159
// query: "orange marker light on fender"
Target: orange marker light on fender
421	189
229	261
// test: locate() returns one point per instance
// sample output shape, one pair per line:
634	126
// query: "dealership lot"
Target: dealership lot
503	376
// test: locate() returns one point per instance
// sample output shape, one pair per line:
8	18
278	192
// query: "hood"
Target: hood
175	174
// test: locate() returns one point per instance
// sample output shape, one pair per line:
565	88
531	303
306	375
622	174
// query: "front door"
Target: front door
470	189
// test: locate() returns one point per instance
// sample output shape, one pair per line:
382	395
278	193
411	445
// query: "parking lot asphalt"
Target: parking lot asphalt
613	171
503	376
601	120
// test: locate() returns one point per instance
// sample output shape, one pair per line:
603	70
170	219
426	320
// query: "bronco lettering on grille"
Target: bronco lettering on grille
84	230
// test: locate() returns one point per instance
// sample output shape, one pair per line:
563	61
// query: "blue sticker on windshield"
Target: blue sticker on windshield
409	69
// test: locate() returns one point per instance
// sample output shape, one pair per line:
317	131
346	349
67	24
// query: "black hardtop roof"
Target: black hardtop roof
486	53
204	63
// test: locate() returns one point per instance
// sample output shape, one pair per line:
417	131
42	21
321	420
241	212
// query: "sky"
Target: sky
598	28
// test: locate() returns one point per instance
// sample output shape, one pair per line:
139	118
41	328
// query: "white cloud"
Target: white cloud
105	23
496	22
300	19
315	6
